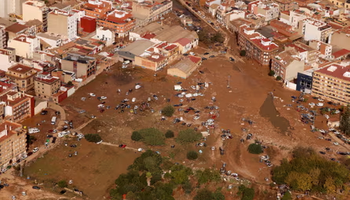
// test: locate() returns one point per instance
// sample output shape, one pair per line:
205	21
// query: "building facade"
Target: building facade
25	45
22	76
287	65
332	83
120	22
97	8
82	66
35	10
46	85
313	29
3	37
255	45
18	106
13	142
148	11
63	23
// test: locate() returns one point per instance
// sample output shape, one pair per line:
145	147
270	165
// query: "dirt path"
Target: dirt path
116	145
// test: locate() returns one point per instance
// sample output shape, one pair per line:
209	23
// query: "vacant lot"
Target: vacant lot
92	171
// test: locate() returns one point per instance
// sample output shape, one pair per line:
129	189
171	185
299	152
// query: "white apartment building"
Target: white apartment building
63	23
7	58
52	39
324	49
25	45
35	10
295	16
313	29
105	35
8	7
270	11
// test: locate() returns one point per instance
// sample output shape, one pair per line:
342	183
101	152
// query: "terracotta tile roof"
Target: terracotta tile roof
19	68
194	59
183	41
337	71
342	52
15	28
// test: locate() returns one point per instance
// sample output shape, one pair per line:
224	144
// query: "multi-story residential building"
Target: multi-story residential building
12	8
23	76
16	30
7	58
82	66
341	3
286	5
268	10
313	29
287	65
105	35
13	142
46	85
3	38
324	49
332	83
51	39
18	106
157	56
147	11
307	54
255	45
97	8
63	23
35	10
118	21
340	38
25	45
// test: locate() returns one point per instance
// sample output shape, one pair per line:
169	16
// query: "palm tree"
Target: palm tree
148	176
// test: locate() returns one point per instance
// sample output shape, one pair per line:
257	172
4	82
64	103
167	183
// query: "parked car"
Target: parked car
36	187
44	112
232	59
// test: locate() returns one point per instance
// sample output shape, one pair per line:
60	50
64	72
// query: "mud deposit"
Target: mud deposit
268	110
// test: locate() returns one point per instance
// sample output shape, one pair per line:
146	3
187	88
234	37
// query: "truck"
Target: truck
53	120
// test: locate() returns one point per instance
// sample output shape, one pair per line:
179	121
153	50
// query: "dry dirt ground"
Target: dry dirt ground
96	167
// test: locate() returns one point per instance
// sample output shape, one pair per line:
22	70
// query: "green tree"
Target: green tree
243	53
217	37
271	73
169	134
329	185
345	121
168	111
180	174
62	184
255	148
136	136
278	78
188	136
192	155
207	175
287	196
247	193
217	195
204	194
148	176
93	137
299	181
152	136
187	187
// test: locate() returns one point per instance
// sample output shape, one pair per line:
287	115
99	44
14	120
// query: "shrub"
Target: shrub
136	136
255	148
287	196
152	136
169	134
278	78
188	136
168	111
242	53
271	73
192	155
62	184
93	137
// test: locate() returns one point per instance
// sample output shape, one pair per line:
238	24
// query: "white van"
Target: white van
53	120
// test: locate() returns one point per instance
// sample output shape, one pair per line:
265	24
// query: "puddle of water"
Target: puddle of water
268	110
